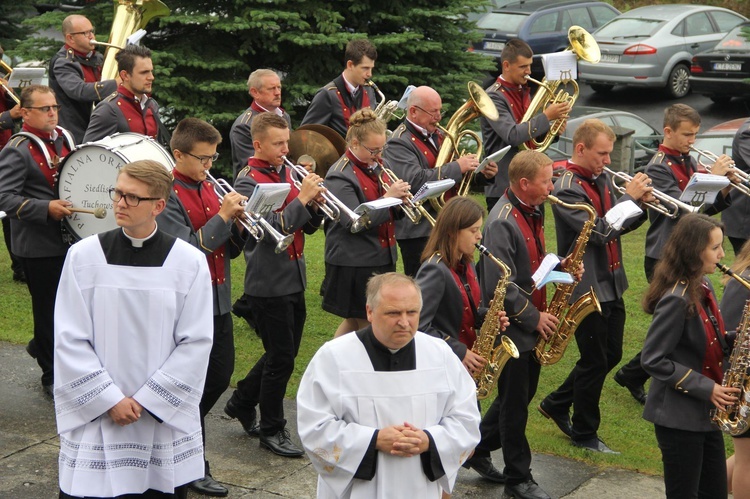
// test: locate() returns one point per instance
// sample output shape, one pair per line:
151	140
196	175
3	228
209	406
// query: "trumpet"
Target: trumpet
8	70
255	224
415	212
667	205
333	207
743	186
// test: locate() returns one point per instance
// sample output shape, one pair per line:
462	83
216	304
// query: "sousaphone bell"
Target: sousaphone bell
320	142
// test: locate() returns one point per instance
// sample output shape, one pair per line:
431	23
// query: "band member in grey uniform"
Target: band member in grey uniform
335	103
28	167
411	154
736	217
511	95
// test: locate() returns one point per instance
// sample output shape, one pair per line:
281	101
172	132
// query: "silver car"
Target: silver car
652	46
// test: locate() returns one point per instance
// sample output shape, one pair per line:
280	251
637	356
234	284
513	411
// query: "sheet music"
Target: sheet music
620	213
433	189
267	198
550	262
703	188
378	204
23	77
496	156
560	65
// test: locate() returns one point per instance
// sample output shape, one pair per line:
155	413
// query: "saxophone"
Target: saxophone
487	377
733	419
550	351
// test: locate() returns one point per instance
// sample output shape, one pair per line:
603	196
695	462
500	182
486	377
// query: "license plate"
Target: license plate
609	58
494	46
727	66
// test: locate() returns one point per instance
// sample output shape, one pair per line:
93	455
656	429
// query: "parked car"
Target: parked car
646	138
543	24
717	139
653	46
722	72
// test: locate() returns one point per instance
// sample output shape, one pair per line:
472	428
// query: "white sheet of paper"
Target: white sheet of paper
433	189
550	262
267	198
703	188
620	213
560	65
402	101
496	156
23	77
378	204
556	277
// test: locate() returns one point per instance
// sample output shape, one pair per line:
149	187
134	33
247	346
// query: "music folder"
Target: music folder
433	189
545	273
703	188
378	204
267	198
496	156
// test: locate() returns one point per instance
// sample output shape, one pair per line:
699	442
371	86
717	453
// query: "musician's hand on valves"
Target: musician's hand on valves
547	325
490	170
723	396
15	112
398	189
232	206
473	362
557	110
58	209
504	321
311	189
468	162
639	187
722	165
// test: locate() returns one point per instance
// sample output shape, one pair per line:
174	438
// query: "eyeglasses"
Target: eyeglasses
130	199
45	109
434	116
87	32
374	152
204	159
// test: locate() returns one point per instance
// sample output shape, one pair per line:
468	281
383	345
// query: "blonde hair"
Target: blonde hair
153	174
527	164
363	123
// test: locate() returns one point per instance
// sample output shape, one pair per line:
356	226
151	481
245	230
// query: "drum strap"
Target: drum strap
69	140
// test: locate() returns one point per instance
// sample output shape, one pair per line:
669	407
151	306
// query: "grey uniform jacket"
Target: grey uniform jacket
505	131
609	284
107	119
271	274
325	108
362	249
410	164
733	301
663	179
737	216
241	139
24	197
175	220
76	96
673	354
504	239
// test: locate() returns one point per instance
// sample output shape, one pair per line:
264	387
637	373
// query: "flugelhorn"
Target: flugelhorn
667	205
8	70
386	110
333	207
255	224
743	186
415	212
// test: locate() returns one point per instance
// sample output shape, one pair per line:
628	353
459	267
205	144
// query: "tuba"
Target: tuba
478	104
733	419
496	357
130	16
550	92
550	351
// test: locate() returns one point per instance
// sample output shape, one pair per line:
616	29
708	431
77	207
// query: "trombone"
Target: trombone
743	186
255	224
413	211
332	207
667	205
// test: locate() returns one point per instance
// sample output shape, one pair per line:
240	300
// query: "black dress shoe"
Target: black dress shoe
562	421
247	420
636	390
209	487
49	390
485	468
595	445
526	490
281	444
31	349
19	277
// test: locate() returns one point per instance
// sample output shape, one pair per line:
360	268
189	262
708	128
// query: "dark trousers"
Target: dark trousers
15	263
180	492
736	244
220	366
42	277
491	202
504	425
599	339
280	322
411	254
694	463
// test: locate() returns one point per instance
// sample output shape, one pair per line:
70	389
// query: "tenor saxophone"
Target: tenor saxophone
733	419
549	351
484	346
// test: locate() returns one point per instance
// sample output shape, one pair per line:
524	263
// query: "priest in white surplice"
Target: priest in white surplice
133	324
387	411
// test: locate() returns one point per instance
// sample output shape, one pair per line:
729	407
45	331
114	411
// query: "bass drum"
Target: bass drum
90	170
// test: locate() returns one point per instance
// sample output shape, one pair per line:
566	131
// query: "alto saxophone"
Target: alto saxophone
484	346
733	419
551	350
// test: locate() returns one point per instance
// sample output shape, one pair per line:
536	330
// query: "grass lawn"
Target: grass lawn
622	427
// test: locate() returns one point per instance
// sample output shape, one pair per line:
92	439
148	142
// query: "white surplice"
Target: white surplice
342	400
141	332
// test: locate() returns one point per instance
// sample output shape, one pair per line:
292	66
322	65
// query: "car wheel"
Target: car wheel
678	83
601	88
720	99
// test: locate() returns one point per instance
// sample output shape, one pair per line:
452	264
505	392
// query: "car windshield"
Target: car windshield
718	144
627	27
737	39
506	22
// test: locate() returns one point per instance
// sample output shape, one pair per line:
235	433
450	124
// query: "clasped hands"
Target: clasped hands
402	440
126	411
